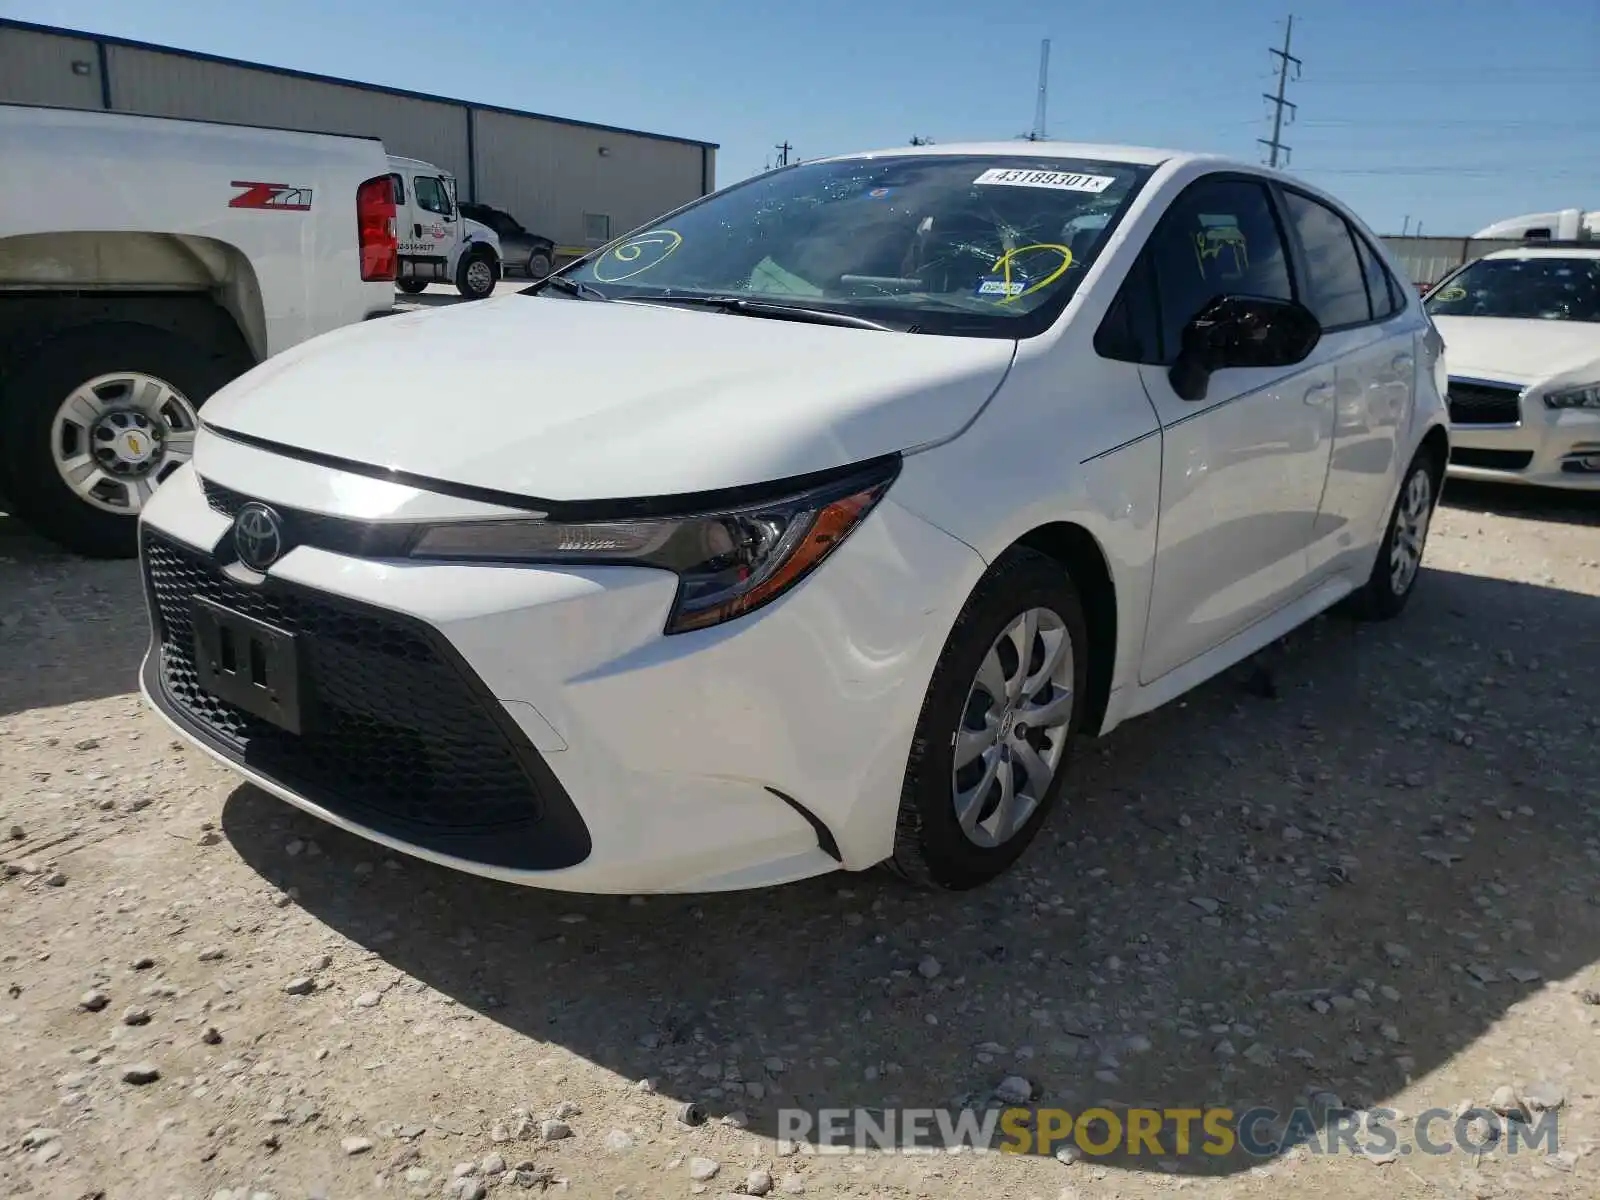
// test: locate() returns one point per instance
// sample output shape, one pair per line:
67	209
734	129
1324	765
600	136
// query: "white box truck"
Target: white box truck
438	244
144	263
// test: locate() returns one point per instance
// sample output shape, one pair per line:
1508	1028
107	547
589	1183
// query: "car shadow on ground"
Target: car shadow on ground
1330	870
71	629
1517	500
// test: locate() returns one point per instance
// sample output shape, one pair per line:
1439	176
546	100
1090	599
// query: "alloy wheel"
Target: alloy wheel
1014	728
1411	530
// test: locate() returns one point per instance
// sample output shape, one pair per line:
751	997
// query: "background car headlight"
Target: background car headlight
1587	396
728	563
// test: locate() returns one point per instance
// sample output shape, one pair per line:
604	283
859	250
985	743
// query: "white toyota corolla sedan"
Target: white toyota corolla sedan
802	529
1523	329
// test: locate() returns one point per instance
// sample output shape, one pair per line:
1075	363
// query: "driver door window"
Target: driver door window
1219	238
431	195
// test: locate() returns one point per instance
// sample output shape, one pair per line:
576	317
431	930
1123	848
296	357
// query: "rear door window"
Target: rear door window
1338	290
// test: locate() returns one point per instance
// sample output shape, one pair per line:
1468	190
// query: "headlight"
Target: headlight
728	562
1587	396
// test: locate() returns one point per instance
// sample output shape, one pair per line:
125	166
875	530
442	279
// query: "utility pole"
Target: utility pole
783	149
1278	102
1405	226
1037	133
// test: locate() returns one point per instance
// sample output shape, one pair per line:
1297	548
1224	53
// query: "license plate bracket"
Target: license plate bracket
249	663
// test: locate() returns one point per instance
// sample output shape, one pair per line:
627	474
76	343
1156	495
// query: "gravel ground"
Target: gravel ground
1363	863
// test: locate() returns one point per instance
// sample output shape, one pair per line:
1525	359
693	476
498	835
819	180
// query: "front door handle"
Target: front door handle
1317	393
1402	362
416	230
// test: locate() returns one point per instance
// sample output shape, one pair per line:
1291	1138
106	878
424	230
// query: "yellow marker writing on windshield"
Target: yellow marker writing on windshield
1003	264
1453	293
665	241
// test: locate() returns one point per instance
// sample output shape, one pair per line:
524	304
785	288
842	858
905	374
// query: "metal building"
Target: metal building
576	182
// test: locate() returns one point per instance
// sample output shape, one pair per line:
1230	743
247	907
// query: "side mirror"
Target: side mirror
1242	331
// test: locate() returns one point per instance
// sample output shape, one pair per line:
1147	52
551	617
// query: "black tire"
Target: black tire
411	286
1380	599
930	849
540	264
465	286
34	392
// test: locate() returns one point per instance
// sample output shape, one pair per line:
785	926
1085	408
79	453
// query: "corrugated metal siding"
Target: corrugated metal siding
36	68
174	85
548	176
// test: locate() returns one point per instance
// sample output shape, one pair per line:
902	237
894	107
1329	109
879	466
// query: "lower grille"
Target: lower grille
1491	460
1484	404
404	739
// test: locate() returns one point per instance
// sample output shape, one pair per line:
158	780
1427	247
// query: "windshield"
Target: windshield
989	246
1548	289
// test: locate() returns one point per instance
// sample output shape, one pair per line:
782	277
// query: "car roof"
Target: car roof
1145	156
400	160
1547	252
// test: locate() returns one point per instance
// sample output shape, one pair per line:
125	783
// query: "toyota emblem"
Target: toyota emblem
257	536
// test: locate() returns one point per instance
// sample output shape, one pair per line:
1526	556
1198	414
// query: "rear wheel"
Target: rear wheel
987	761
1394	574
475	276
95	422
539	264
411	286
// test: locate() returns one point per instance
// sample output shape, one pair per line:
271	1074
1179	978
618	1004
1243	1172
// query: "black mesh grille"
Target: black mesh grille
1491	460
1484	404
396	730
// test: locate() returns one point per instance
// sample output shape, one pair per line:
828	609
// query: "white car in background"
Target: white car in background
1523	331
860	488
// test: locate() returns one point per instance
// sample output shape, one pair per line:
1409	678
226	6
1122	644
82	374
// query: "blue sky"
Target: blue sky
1451	112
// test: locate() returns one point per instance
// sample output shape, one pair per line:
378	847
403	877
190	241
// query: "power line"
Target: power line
1275	145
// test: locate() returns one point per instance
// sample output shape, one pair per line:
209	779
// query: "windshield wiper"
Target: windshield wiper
575	288
745	306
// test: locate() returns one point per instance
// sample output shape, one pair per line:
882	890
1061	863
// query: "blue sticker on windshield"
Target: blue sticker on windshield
1000	287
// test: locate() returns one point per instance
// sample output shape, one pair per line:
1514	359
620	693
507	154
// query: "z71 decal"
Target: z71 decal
271	195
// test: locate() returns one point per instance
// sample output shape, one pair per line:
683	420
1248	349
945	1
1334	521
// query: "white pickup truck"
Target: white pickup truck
144	263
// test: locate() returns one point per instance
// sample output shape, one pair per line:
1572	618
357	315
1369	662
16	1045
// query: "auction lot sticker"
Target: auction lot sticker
1061	181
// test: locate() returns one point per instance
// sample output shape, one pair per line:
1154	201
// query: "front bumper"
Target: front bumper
1543	446
535	725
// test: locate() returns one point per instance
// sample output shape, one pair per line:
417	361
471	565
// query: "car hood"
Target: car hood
1520	351
563	399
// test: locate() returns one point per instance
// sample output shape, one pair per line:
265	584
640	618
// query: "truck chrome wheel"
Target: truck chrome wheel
480	277
1014	728
117	436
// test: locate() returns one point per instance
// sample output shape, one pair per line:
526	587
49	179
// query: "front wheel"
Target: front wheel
95	422
475	276
1394	574
987	760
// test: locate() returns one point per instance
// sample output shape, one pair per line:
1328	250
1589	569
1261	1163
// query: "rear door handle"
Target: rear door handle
1402	362
1317	393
